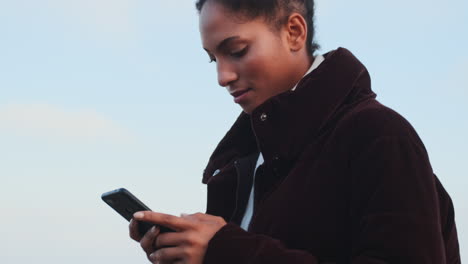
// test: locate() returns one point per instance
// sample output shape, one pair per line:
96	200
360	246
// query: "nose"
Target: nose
226	74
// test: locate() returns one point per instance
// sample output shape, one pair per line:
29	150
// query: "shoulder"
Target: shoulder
370	121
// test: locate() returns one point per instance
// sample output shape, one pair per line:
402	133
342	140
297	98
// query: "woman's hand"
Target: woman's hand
185	246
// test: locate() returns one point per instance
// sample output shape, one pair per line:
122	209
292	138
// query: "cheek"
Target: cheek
256	69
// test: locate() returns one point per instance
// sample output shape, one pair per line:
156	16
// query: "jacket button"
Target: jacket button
263	117
276	161
216	172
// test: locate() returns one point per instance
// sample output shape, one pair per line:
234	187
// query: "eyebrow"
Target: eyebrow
223	43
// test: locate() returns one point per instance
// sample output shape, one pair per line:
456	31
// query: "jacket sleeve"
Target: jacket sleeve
394	215
233	245
394	205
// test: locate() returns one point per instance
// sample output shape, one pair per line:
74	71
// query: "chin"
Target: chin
252	105
247	109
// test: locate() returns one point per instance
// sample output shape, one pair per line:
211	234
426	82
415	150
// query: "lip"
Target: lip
240	95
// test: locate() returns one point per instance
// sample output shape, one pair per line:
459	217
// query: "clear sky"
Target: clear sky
101	94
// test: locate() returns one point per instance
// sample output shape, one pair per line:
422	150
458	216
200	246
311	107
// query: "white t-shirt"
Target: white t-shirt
249	210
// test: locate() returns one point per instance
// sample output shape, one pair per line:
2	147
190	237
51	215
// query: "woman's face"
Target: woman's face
254	62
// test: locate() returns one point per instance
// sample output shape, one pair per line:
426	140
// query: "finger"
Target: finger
170	262
133	230
173	262
168	255
148	240
170	239
174	222
200	217
197	216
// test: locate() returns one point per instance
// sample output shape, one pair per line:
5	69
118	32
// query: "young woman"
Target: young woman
314	170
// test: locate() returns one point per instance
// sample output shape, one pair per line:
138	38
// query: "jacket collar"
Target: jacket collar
281	126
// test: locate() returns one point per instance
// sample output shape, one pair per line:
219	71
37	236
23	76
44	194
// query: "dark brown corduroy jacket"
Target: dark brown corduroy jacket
345	180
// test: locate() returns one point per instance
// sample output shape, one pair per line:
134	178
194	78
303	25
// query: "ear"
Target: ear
296	28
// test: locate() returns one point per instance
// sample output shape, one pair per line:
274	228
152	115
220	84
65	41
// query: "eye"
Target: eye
211	57
240	53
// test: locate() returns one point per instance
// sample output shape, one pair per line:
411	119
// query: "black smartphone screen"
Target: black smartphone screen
126	204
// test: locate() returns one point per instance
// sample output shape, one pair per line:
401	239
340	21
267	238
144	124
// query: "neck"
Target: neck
302	66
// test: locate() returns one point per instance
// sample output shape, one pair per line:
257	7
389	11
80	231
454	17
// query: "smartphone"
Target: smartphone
126	204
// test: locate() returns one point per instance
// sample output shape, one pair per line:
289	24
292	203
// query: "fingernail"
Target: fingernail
183	214
154	257
153	229
138	215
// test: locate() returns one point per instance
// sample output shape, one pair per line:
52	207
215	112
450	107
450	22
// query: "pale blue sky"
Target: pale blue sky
101	94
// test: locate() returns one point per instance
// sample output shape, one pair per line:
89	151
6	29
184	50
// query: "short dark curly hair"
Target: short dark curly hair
275	12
